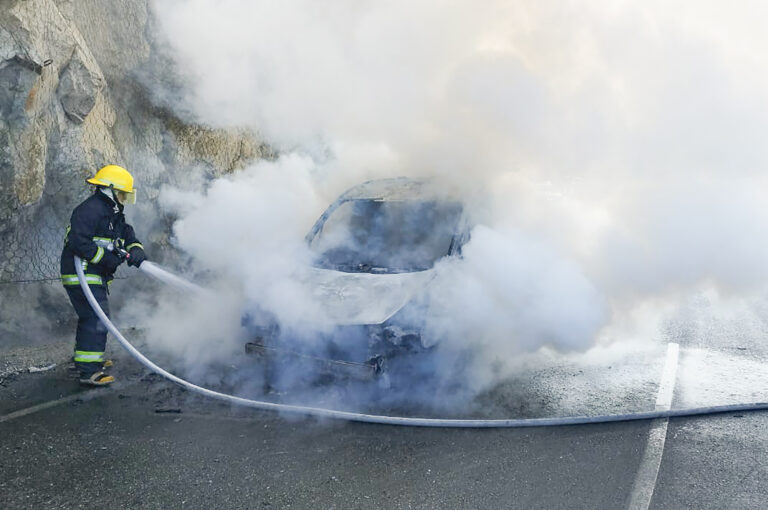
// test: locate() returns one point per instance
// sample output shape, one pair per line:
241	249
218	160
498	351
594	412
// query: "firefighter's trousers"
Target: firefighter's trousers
91	336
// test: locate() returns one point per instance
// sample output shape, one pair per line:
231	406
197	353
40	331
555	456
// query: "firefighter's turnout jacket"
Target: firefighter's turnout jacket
96	224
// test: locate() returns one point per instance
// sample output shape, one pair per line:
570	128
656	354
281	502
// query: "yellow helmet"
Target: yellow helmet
118	178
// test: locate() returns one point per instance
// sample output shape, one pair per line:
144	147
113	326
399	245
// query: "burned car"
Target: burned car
374	250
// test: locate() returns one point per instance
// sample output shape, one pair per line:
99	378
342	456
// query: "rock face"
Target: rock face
79	85
76	93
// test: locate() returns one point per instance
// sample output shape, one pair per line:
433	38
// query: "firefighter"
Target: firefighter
99	235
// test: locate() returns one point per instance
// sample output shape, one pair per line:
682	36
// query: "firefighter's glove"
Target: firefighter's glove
110	261
121	254
136	256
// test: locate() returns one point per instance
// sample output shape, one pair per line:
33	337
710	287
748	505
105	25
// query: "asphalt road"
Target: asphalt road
116	449
147	444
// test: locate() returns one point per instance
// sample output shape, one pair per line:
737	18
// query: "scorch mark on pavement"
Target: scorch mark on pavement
645	481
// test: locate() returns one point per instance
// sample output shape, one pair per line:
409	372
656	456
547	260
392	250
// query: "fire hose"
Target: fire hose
149	268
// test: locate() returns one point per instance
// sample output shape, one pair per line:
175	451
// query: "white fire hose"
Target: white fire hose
148	267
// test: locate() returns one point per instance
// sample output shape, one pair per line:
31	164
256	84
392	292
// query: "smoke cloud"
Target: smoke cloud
609	152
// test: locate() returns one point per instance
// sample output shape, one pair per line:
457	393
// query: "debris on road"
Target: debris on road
46	368
168	410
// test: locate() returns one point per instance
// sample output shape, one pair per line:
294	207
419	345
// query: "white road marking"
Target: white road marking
83	396
645	481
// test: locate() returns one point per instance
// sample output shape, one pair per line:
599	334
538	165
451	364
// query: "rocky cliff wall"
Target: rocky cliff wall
78	90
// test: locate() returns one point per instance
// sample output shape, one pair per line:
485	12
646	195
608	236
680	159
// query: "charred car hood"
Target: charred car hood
363	298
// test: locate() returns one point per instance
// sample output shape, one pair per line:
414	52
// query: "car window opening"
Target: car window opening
383	236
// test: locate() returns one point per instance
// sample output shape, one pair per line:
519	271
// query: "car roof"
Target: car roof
397	189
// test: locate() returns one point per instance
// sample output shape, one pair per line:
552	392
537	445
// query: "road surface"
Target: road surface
147	444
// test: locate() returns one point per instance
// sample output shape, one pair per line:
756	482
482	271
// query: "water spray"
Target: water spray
166	277
161	275
171	279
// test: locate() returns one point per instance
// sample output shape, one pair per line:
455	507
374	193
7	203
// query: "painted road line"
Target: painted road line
645	481
84	397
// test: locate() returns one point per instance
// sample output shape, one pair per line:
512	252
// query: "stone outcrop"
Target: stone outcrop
78	81
79	85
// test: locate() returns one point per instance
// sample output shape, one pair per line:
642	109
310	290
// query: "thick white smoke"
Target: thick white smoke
609	150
